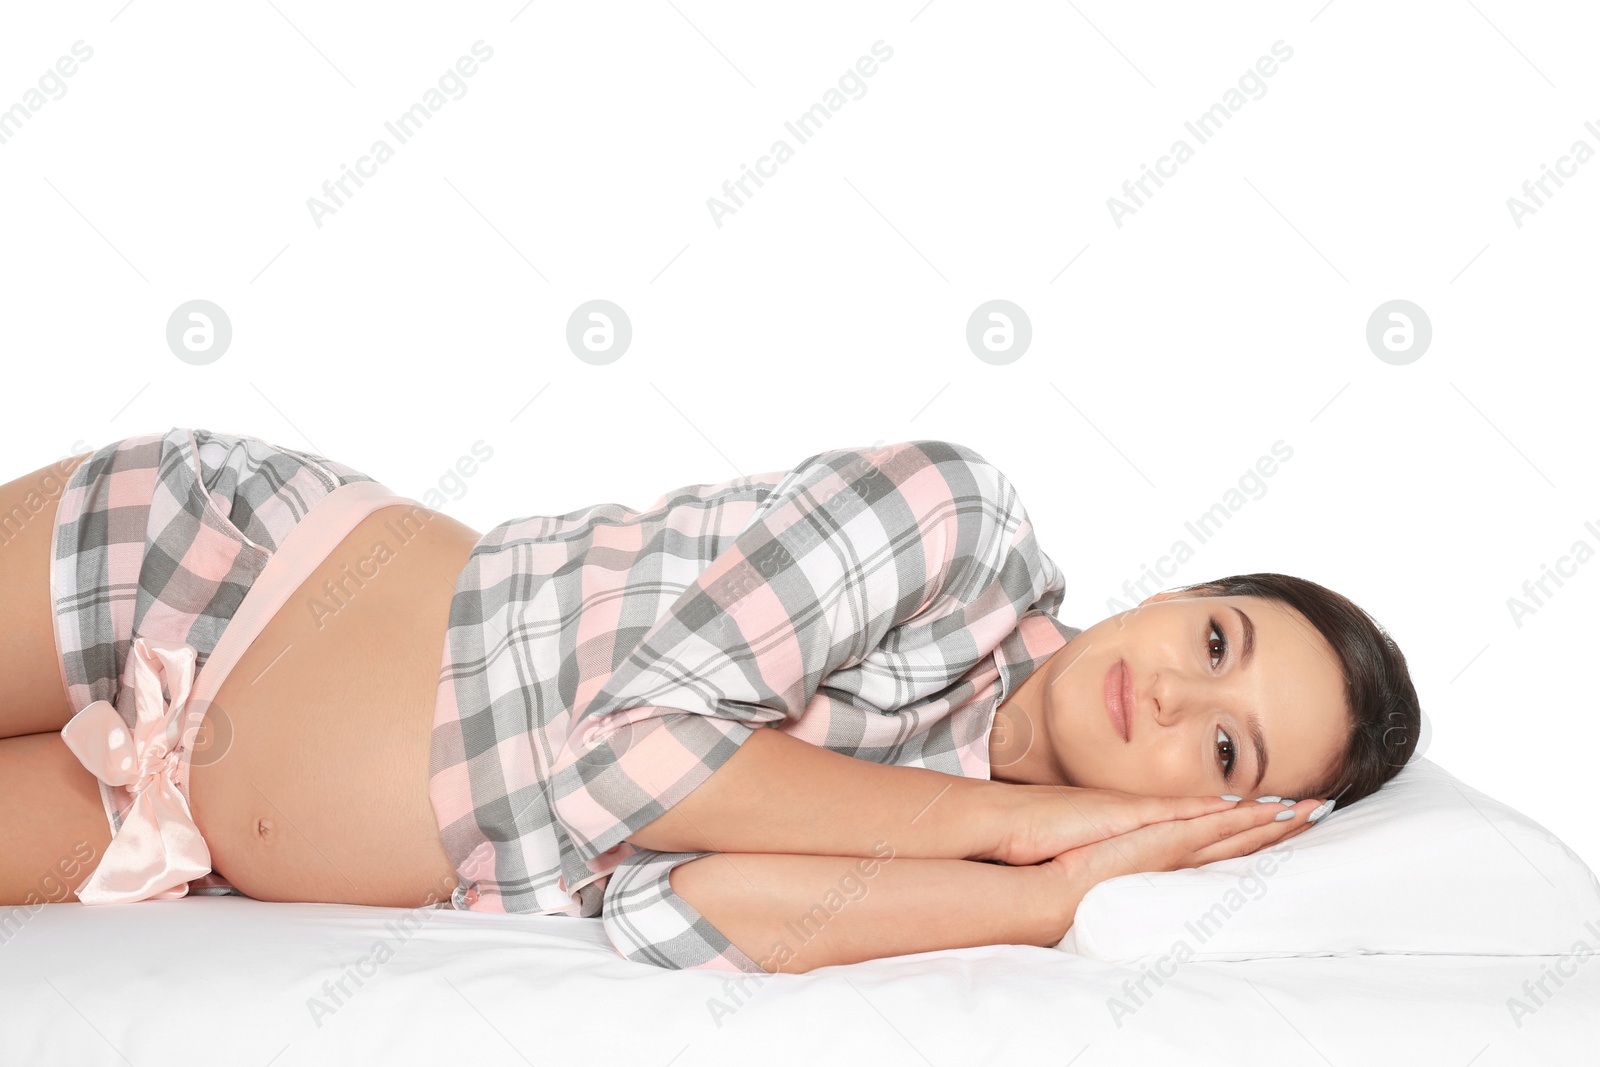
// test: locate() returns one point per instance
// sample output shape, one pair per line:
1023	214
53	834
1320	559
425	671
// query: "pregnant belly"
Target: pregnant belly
310	772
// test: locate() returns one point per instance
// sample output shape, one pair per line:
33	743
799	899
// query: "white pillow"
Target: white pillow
1424	865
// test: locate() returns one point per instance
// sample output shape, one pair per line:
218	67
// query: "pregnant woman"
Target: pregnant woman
806	717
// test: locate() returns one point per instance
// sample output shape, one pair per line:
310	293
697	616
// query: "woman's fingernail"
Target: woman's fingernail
1286	802
1267	800
1282	815
1322	810
1230	796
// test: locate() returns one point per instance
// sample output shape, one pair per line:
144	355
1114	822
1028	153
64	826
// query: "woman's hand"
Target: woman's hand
1044	821
1240	829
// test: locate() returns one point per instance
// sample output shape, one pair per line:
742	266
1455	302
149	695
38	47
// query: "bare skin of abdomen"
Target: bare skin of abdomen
309	780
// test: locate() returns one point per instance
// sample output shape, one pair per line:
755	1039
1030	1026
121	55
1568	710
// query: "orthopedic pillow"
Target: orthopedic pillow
1424	865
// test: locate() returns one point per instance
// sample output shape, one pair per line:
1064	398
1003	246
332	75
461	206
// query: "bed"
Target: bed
1429	924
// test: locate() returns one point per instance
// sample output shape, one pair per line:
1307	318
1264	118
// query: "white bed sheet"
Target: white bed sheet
230	980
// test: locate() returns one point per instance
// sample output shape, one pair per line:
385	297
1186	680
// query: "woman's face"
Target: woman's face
1194	694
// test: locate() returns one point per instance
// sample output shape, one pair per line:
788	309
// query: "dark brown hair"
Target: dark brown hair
1385	717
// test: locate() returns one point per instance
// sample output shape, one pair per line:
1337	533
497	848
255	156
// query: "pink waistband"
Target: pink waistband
158	849
302	550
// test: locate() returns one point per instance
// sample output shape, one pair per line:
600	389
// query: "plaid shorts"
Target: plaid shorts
160	536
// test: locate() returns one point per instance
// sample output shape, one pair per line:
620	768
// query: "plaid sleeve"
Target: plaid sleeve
848	545
649	923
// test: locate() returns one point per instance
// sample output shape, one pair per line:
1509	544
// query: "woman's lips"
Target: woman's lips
1116	704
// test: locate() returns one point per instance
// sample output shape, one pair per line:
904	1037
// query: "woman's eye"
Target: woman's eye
1223	740
1221	638
1227	764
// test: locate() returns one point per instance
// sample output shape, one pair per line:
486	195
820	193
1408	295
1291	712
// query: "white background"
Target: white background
1168	354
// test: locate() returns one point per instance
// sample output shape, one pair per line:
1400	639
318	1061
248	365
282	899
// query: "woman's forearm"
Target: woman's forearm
780	794
795	913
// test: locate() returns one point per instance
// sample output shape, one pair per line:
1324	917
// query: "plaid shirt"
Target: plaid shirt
600	665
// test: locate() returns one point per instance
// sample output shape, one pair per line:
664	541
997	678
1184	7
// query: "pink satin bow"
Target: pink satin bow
158	850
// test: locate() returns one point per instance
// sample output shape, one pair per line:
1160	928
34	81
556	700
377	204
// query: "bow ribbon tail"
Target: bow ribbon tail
155	854
158	850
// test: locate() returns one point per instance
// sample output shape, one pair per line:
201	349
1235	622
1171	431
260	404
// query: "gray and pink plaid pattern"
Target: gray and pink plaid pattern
161	535
601	664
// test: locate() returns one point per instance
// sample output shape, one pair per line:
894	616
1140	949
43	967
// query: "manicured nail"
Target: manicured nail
1322	810
1286	802
1230	796
1282	815
1267	800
